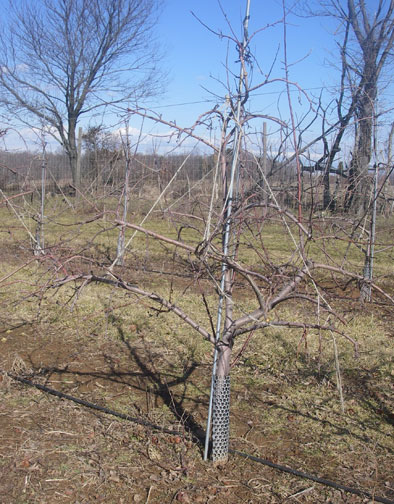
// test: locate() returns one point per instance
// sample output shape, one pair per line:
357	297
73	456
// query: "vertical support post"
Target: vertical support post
78	167
40	237
43	186
121	238
219	403
366	289
264	167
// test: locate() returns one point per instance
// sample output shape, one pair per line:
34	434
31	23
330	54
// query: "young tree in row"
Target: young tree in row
64	59
232	250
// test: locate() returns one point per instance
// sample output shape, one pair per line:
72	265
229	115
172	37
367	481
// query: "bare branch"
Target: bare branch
118	282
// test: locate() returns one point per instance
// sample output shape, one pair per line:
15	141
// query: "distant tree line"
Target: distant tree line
103	171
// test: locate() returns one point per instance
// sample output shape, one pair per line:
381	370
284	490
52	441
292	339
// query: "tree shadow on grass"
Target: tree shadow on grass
162	388
356	388
356	385
144	376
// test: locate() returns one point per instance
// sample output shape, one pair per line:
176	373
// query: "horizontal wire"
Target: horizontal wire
153	426
311	477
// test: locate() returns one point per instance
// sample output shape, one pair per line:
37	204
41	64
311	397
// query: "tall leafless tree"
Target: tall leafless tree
64	59
366	51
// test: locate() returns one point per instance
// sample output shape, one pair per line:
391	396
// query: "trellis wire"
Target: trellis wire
145	423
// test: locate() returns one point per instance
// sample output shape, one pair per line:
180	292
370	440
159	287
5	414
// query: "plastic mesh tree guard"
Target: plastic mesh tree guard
221	418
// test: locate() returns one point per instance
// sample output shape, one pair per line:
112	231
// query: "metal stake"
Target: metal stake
227	232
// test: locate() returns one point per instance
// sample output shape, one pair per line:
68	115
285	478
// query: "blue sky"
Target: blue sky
194	55
194	59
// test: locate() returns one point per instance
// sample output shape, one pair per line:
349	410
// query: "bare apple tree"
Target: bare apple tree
229	248
226	232
64	59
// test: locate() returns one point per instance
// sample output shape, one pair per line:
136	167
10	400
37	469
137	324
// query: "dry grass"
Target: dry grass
106	348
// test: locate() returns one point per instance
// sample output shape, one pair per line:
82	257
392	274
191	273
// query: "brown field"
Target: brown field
107	349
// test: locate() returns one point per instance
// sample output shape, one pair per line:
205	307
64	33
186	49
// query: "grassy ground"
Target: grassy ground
106	348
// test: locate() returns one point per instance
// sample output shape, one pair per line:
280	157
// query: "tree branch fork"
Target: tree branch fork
267	299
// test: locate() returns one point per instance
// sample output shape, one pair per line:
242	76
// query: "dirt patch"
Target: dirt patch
52	450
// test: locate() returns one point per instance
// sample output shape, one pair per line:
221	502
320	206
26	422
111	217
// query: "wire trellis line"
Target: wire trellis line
150	425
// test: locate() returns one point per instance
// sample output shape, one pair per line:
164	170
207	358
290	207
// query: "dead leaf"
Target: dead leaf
182	497
25	463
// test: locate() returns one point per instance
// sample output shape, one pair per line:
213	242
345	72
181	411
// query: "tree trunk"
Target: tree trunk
327	201
359	184
72	151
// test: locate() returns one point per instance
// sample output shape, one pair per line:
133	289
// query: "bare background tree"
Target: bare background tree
365	52
61	60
